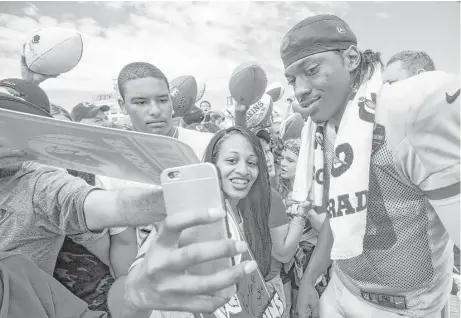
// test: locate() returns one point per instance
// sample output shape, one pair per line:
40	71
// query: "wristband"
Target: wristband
303	215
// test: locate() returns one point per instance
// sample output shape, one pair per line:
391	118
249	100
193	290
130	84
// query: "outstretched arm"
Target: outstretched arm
125	207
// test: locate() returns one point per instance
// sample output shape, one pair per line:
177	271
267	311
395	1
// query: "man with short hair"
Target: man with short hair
406	64
146	98
391	179
205	106
87	113
145	93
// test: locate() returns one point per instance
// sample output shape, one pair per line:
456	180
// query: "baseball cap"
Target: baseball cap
263	134
317	34
24	96
195	115
292	127
87	110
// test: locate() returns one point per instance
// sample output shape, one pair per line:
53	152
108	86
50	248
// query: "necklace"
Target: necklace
239	214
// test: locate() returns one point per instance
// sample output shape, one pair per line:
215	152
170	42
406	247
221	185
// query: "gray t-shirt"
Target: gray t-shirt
39	206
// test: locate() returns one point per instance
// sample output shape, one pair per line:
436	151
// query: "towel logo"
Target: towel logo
319	176
347	204
367	108
342	160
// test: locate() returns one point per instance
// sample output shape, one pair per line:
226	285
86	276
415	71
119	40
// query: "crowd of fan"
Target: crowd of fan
88	262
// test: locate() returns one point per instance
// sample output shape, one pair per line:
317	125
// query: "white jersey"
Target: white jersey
407	260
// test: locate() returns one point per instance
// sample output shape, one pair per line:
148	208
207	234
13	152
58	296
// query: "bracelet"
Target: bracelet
303	215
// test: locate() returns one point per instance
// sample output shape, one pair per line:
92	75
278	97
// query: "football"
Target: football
53	51
259	114
275	90
183	90
247	83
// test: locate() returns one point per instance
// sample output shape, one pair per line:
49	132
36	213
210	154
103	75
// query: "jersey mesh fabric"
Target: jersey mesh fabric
406	248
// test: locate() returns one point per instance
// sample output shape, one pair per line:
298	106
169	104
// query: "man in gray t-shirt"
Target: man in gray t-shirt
39	206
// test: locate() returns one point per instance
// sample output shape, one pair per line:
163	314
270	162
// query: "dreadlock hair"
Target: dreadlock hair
137	70
369	62
255	208
413	61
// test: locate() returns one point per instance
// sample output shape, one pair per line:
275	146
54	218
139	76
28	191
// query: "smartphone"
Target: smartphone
197	187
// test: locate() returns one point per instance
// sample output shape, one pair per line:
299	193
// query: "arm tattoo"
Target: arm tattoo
140	206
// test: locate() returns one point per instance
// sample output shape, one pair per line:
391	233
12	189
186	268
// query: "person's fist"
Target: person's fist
289	199
28	74
305	207
241	108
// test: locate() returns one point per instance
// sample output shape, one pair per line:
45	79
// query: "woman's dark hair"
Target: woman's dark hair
255	208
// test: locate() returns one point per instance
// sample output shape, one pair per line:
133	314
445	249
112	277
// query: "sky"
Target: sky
209	39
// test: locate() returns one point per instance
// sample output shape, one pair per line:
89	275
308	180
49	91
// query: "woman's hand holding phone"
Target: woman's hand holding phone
162	282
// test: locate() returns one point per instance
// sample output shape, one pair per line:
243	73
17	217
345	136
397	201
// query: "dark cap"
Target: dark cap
262	133
317	34
87	110
292	127
195	115
24	96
